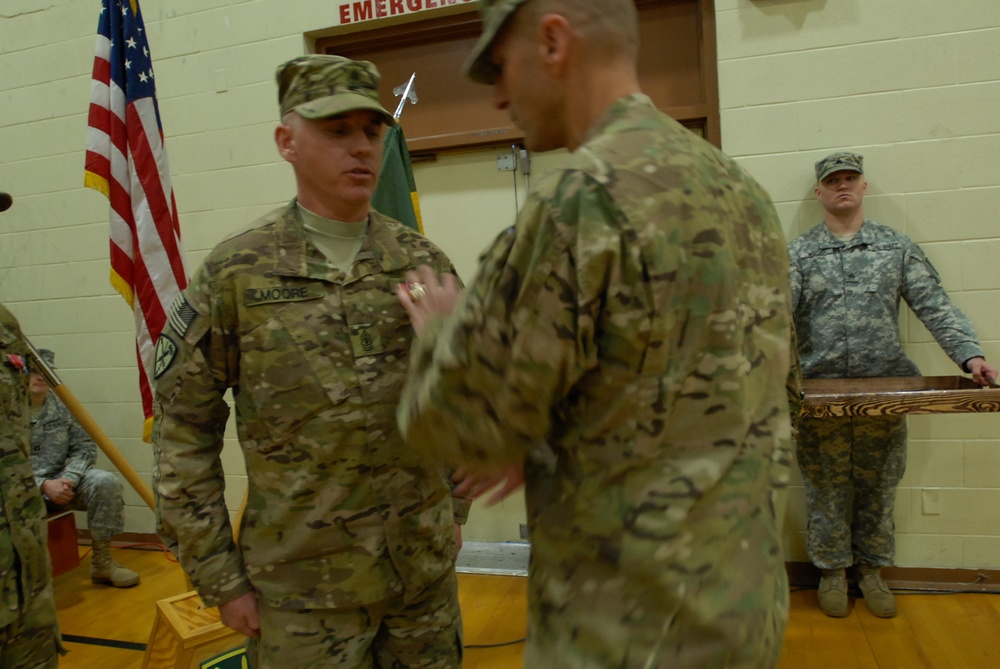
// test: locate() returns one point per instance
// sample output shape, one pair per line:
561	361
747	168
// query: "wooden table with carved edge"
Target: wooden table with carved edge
897	395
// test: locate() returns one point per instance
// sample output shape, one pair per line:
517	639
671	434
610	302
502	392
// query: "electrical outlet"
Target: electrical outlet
523	529
930	499
505	163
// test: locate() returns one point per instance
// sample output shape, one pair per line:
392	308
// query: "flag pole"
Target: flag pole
91	426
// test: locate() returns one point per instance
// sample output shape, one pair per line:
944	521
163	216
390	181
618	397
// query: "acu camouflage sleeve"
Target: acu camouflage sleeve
82	453
928	299
483	383
195	366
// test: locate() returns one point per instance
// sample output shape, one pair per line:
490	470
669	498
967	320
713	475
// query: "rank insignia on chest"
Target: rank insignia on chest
365	340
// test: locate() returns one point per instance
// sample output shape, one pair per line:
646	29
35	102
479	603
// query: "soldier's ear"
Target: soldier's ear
284	138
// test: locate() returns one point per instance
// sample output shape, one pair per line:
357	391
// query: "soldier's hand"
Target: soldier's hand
426	295
472	485
983	373
241	614
60	491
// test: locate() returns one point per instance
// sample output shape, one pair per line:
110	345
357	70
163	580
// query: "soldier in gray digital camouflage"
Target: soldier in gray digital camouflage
629	342
29	631
63	457
848	276
347	546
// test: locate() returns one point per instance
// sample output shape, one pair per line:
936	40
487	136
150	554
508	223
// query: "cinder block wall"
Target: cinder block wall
911	84
914	85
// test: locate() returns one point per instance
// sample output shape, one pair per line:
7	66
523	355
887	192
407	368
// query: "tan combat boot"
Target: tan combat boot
106	571
878	598
833	593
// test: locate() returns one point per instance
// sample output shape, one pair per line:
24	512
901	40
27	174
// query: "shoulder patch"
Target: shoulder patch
182	314
166	351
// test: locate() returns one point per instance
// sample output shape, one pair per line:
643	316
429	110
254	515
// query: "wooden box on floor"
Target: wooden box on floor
64	549
186	633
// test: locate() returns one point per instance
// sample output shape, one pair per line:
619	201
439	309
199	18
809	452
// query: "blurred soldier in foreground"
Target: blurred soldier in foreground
629	341
29	632
848	276
346	551
63	457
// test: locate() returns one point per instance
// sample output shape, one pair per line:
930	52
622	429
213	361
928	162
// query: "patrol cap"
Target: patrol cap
318	86
48	356
479	66
836	162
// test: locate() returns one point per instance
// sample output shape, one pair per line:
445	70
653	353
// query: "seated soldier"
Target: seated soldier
63	457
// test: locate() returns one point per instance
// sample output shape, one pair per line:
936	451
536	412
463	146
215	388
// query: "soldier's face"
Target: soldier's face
337	161
841	191
37	385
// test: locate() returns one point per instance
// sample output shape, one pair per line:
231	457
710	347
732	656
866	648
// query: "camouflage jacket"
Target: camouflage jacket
339	512
24	558
846	298
636	320
60	447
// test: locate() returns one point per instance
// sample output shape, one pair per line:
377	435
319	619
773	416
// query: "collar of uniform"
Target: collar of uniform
616	110
295	256
829	241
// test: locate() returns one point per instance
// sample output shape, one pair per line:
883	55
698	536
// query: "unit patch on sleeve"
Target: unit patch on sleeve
166	351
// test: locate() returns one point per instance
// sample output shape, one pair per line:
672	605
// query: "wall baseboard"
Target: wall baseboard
921	579
511	559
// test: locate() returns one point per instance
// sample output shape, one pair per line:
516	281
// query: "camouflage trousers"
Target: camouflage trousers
99	493
33	641
588	615
851	467
425	633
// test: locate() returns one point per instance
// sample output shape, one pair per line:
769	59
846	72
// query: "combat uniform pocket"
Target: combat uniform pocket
288	373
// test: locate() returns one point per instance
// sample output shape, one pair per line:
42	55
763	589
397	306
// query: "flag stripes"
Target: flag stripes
127	162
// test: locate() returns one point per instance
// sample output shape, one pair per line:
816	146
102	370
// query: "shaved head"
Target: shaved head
609	27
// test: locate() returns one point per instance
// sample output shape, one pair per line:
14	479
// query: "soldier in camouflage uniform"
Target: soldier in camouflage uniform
29	632
63	457
347	546
848	276
629	341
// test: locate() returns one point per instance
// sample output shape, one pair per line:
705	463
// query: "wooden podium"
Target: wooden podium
185	633
897	395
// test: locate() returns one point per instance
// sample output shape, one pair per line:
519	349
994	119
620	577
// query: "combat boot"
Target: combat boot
106	571
833	593
878	598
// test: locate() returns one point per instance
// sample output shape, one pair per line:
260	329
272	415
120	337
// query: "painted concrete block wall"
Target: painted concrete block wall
914	86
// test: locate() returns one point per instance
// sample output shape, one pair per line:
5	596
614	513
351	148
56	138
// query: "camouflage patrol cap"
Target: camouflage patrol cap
835	162
317	86
479	67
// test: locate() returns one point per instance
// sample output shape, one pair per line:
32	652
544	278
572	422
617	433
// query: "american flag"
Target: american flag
127	162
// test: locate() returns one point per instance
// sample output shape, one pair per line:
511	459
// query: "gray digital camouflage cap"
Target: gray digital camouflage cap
48	356
479	67
836	162
318	86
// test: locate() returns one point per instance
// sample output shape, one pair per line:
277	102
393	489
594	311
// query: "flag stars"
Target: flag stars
128	65
131	43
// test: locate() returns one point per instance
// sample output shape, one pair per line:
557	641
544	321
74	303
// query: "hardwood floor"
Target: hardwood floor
107	628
